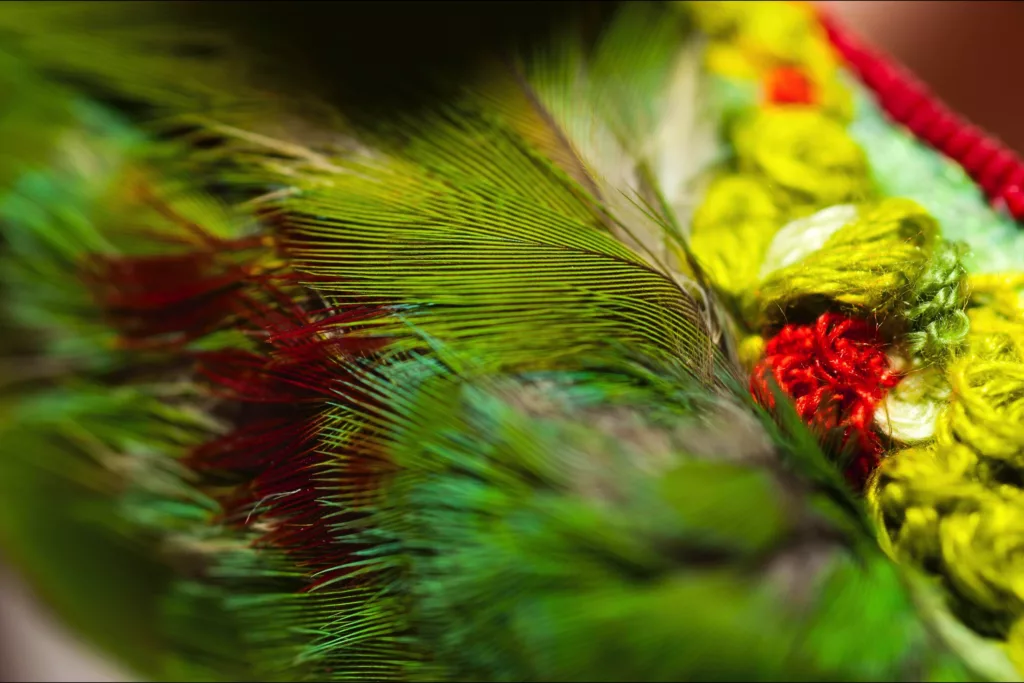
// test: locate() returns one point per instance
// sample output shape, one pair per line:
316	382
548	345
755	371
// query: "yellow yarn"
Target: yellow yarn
867	263
751	350
768	33
983	547
1015	644
730	61
997	326
956	507
793	159
1002	287
717	19
819	58
751	38
953	505
806	154
904	510
781	32
835	99
935	511
732	229
987	410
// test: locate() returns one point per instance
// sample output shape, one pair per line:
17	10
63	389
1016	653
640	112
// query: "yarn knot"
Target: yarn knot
837	372
936	312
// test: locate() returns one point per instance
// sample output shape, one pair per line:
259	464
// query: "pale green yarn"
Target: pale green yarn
936	310
800	238
909	412
904	167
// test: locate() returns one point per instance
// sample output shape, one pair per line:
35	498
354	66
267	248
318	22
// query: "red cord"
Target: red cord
998	171
837	372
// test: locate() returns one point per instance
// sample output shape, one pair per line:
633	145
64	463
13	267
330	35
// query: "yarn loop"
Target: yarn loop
936	312
870	263
837	372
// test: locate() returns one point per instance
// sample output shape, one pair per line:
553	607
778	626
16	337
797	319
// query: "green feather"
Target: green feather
549	471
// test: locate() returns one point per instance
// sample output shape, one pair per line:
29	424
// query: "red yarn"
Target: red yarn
789	85
837	372
998	171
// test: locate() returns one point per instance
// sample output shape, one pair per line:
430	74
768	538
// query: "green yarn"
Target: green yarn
869	259
936	312
802	237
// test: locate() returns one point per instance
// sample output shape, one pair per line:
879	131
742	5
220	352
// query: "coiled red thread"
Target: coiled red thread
997	170
836	371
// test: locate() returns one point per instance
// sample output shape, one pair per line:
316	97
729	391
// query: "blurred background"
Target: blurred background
969	53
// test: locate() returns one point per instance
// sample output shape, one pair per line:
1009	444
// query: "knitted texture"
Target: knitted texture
936	307
889	301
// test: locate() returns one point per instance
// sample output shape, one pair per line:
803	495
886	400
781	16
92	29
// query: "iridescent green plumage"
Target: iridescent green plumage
510	405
